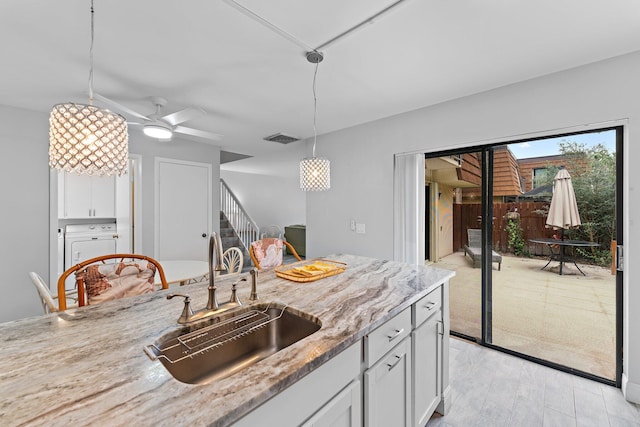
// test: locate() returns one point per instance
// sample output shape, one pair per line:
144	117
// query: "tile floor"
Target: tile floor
491	388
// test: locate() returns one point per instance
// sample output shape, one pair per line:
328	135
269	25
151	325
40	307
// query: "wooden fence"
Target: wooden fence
532	217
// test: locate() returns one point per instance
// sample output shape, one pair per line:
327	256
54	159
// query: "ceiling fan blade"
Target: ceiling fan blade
183	115
120	107
198	133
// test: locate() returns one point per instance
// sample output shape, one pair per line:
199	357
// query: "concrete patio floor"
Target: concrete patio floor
568	319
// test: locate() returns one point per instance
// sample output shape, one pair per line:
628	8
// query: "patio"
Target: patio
568	319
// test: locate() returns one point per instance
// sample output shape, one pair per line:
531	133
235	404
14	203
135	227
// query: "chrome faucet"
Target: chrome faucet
213	307
215	265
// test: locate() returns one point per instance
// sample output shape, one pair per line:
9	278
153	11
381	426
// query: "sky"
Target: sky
550	146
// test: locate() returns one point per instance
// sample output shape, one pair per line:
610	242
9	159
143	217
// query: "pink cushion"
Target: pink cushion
268	252
105	282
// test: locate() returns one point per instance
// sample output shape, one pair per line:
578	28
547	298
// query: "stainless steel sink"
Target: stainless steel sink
226	344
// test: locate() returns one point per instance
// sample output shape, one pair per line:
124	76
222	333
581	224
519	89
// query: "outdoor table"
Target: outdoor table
561	256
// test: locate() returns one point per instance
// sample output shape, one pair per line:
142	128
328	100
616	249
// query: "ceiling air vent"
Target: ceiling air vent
281	138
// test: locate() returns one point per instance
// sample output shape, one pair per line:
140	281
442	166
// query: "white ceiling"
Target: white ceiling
253	82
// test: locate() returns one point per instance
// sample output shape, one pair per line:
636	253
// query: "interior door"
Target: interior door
183	210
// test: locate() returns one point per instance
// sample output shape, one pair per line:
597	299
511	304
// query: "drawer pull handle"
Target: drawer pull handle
393	365
395	335
429	305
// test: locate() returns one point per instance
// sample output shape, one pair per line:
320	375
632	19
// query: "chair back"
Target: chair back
474	237
48	304
101	280
271	231
268	252
233	260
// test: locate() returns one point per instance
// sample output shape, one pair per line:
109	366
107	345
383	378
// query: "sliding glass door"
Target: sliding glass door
488	221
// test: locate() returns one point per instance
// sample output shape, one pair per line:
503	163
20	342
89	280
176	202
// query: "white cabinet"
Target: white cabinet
387	389
427	369
387	381
83	196
320	398
428	348
344	410
396	376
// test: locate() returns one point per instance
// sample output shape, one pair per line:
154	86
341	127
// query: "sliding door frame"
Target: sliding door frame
487	158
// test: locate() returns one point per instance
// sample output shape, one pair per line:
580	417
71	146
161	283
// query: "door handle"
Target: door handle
395	362
429	305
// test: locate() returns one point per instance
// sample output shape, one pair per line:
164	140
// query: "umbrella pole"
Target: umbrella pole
561	250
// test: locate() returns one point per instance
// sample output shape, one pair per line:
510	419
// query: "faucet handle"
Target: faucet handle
187	311
234	293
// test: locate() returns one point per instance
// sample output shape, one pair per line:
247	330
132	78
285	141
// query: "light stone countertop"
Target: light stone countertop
87	366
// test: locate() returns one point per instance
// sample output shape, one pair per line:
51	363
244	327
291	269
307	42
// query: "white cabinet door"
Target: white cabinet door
103	196
77	196
426	346
344	410
88	196
387	389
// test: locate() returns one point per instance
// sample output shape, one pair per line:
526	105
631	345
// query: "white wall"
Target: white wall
24	177
362	160
24	212
268	199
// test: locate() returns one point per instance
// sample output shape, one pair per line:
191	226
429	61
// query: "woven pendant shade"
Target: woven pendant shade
315	174
88	140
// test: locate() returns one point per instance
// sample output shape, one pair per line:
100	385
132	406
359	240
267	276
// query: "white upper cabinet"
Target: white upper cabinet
82	196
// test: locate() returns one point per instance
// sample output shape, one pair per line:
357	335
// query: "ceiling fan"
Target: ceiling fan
162	127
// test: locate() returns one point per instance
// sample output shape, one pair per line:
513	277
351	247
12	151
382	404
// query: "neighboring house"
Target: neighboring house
506	178
534	170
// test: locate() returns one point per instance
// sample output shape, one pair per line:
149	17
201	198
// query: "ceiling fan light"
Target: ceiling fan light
157	130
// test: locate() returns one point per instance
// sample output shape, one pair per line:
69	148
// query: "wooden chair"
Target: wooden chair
279	255
81	269
233	260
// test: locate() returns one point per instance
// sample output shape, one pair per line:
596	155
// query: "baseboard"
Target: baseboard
445	404
631	391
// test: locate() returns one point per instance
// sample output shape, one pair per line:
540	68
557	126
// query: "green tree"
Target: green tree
593	174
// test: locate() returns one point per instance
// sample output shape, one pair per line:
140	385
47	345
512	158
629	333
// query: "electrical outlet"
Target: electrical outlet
352	225
360	228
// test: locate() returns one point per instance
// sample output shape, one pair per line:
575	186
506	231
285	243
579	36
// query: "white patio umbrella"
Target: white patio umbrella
563	211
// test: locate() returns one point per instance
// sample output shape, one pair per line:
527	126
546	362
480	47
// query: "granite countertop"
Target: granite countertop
87	366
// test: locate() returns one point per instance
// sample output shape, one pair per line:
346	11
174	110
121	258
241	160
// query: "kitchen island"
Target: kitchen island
87	366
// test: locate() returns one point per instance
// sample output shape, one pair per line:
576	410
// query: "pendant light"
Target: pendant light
315	172
85	139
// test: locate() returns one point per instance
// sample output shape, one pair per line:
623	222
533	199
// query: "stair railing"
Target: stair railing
245	227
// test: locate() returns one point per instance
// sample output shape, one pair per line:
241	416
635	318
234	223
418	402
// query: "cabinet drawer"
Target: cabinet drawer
381	340
427	306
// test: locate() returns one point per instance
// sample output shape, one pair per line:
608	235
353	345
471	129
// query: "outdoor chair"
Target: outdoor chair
474	249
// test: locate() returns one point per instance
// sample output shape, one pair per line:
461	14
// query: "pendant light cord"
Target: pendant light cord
91	60
315	110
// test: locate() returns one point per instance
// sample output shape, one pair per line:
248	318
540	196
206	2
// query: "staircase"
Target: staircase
230	239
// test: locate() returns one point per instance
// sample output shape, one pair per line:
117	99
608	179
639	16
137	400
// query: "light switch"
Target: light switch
360	228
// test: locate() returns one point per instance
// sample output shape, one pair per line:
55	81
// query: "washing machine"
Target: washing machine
85	241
